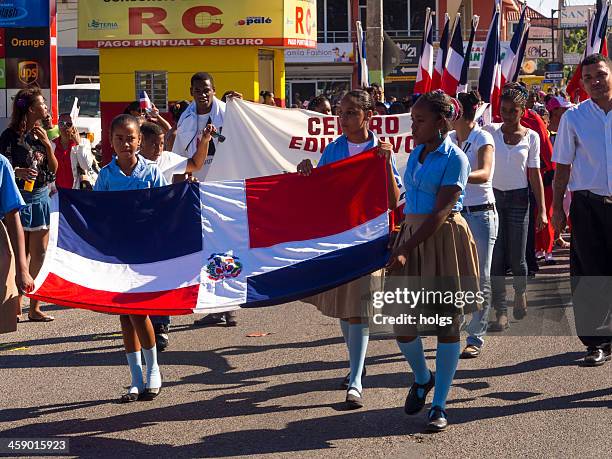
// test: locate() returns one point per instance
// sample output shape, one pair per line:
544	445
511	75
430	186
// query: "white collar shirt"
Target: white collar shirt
584	141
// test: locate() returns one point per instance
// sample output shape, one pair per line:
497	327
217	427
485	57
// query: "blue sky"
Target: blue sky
544	6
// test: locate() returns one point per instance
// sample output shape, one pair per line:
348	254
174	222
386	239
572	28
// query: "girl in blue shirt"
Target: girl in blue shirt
344	302
130	171
434	251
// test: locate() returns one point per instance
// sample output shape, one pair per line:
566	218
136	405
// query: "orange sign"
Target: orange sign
282	23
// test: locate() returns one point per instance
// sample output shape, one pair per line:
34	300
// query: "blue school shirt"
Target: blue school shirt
339	150
445	166
10	198
144	175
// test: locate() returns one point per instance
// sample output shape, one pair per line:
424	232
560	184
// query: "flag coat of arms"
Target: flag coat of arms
216	246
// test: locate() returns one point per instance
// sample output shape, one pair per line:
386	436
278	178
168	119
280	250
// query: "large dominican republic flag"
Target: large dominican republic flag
489	81
213	247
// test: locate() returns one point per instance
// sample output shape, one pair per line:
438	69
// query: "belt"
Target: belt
479	208
595	197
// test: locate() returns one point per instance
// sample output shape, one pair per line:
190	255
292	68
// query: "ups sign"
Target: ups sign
28	72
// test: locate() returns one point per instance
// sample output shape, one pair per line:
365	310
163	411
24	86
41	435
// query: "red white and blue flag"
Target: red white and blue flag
436	82
463	82
425	70
454	61
210	247
489	81
596	43
510	62
145	102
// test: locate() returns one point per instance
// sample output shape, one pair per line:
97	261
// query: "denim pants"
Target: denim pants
484	226
513	212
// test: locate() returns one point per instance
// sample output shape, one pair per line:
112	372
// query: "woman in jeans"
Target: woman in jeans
517	159
478	208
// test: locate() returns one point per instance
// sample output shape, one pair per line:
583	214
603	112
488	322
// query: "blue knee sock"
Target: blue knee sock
414	354
135	363
344	326
447	357
358	337
153	375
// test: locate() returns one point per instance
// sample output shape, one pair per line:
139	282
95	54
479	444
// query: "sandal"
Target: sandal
562	243
43	318
149	394
500	325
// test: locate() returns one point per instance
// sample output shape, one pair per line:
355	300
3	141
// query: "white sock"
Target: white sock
153	375
135	364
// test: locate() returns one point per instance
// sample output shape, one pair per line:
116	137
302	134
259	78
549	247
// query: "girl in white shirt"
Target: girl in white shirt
517	162
478	208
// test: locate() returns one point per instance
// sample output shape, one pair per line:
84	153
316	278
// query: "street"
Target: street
226	394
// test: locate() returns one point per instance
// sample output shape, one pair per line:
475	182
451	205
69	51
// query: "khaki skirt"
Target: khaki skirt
353	299
446	262
8	289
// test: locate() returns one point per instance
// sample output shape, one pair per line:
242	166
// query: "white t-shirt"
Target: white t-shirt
477	194
512	161
170	163
356	148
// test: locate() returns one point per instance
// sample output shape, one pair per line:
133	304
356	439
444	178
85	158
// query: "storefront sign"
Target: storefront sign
577	16
27	57
478	50
24	13
539	50
324	53
111	24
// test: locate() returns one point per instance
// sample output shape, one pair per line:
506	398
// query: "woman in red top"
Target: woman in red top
69	137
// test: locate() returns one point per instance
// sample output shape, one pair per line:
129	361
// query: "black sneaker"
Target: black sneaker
211	319
436	420
414	403
161	337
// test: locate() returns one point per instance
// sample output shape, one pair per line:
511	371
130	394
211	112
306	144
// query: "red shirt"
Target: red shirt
63	177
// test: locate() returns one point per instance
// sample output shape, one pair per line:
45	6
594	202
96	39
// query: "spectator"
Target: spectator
176	110
320	104
267	98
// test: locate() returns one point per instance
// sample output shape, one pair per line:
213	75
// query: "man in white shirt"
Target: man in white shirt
168	162
205	109
583	153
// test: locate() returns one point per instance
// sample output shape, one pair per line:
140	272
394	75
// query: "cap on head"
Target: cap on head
557	102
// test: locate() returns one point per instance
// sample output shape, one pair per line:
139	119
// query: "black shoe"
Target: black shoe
596	356
354	401
437	421
150	394
345	382
210	319
414	403
162	338
471	351
230	319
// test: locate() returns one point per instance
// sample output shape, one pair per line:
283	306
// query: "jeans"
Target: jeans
513	211
484	226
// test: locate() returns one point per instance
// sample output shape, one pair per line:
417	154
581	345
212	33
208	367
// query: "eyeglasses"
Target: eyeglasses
65	124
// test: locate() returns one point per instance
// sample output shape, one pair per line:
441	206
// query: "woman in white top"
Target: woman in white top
478	208
517	160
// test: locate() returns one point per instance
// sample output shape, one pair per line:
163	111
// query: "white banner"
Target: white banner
265	140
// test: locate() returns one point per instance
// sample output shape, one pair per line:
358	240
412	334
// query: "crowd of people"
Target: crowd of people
481	202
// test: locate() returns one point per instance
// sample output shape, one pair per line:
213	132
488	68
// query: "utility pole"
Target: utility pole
374	42
560	33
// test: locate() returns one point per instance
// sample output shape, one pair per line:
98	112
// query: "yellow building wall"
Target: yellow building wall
232	67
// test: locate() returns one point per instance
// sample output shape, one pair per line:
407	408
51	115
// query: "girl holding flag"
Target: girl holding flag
434	248
345	302
130	171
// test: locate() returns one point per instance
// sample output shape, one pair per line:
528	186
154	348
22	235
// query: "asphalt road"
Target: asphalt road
227	394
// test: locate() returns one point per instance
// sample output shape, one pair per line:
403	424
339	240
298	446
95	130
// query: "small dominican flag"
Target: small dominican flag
510	62
145	102
454	61
215	246
436	82
425	70
489	81
463	83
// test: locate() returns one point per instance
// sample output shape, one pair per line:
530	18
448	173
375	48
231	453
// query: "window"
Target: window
395	15
333	20
155	83
417	15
